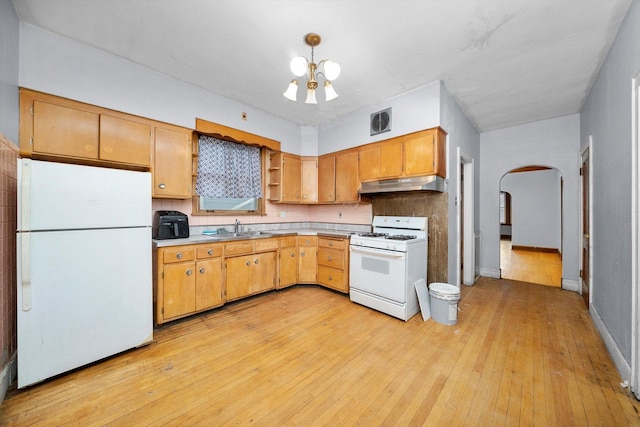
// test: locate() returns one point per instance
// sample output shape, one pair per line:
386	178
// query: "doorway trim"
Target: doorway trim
465	165
585	154
635	236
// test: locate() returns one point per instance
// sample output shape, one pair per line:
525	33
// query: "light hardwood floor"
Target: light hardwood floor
519	355
542	268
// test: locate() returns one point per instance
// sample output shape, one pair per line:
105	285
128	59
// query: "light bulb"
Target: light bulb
331	69
298	66
311	97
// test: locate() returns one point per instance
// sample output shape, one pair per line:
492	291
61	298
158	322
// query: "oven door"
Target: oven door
378	272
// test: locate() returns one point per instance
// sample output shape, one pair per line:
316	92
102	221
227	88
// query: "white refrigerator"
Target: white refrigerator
83	266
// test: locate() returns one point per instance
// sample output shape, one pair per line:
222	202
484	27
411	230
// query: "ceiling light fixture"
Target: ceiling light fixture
301	66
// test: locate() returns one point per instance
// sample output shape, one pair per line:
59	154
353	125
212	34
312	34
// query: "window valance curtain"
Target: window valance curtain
227	169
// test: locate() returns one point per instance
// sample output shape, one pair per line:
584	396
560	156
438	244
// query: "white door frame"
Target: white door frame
469	261
586	152
635	236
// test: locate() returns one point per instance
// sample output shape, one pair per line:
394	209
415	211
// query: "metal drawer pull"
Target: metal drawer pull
330	258
301	253
202	270
179	255
330	243
189	272
256	261
248	263
330	278
162	186
307	242
210	251
293	254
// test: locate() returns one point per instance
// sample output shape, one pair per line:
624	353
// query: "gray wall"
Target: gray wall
535	208
606	116
9	36
553	143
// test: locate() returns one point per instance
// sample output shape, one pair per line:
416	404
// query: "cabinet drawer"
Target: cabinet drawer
287	242
266	244
325	242
332	278
307	240
209	251
238	248
178	254
331	258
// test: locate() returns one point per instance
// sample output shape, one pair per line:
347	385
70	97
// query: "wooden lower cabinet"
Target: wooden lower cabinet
307	259
333	263
288	262
193	278
188	279
250	274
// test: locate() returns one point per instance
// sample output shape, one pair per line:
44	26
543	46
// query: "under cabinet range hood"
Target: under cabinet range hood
420	183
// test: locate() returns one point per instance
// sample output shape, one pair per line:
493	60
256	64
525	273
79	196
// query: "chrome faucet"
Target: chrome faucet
236	229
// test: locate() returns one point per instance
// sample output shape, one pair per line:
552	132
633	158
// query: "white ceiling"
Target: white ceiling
505	62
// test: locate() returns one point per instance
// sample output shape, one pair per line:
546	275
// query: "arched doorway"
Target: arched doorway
531	225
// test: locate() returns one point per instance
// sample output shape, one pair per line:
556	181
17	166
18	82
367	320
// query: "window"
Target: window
229	178
505	208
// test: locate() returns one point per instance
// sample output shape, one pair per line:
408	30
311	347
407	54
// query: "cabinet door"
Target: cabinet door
179	297
64	131
291	173
326	179
309	192
264	272
208	283
307	259
125	141
391	159
418	154
172	164
347	177
288	266
238	282
369	162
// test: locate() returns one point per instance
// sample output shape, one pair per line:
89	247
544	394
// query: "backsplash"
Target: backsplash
359	213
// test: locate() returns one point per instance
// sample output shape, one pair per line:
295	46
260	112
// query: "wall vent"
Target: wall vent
380	122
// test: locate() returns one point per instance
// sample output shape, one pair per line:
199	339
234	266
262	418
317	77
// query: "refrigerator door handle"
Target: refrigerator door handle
25	269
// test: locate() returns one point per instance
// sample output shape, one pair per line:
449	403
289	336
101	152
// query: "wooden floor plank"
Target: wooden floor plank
520	354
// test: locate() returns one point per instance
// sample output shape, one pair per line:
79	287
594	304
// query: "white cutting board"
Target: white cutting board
423	299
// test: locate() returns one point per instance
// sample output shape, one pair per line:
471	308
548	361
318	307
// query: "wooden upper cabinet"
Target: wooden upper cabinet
61	130
417	154
124	141
172	162
326	178
291	176
54	128
391	158
309	192
347	177
380	160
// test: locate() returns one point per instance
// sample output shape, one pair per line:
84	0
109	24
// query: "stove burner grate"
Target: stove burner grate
373	234
401	237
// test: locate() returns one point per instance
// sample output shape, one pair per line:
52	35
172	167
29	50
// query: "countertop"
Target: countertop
229	237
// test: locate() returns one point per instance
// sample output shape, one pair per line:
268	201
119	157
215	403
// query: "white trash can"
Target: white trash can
444	303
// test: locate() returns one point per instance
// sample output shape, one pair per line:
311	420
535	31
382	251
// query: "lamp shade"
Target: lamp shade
298	66
331	69
329	91
292	90
311	97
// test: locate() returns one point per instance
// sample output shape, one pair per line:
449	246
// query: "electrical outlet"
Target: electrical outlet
340	214
283	214
244	116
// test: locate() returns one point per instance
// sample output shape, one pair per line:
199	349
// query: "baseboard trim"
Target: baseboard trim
6	377
623	367
490	272
571	285
535	249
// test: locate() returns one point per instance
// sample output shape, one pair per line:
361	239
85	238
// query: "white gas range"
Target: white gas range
385	264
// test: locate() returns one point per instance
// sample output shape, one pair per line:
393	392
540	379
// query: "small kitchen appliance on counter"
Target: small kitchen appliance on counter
170	225
385	265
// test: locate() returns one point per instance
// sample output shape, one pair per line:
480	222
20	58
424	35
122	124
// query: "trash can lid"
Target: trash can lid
444	288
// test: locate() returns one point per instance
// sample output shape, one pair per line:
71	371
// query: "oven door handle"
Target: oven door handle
378	252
